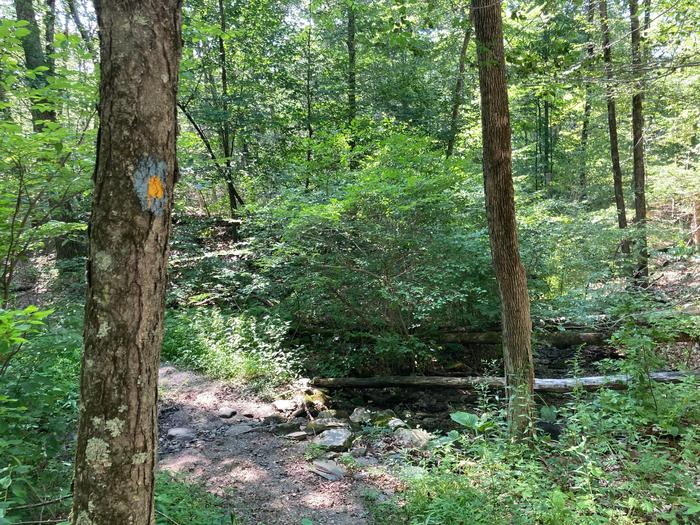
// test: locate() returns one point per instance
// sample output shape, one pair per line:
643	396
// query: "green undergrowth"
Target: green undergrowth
624	458
243	347
182	503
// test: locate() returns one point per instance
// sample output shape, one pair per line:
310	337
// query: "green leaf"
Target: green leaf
470	421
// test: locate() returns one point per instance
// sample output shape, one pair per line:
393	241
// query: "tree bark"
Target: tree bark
547	147
590	49
612	125
639	177
352	80
135	174
84	34
541	385
309	104
500	210
458	93
34	58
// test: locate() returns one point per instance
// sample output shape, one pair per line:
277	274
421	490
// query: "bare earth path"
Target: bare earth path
264	477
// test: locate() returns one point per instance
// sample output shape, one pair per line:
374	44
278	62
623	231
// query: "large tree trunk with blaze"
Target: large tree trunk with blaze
612	124
135	174
500	209
639	176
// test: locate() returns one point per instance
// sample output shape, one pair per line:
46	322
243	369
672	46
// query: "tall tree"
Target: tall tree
34	57
458	93
590	51
612	123
352	76
639	173
135	174
500	211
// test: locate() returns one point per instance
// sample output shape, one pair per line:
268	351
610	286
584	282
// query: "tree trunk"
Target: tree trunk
135	174
590	48
309	106
84	34
547	147
34	57
639	177
352	82
458	94
500	210
612	125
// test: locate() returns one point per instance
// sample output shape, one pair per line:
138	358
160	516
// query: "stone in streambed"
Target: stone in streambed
322	424
335	439
181	433
226	412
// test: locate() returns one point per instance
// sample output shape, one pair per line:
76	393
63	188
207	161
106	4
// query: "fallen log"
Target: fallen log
541	385
561	339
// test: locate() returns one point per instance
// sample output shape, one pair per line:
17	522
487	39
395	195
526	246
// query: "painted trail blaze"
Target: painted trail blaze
149	183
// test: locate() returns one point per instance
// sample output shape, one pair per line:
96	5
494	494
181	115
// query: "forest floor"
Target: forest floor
263	477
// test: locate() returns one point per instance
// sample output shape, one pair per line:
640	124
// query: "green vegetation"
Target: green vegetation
316	236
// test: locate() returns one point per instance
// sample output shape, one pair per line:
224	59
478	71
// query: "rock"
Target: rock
321	424
361	416
382	418
181	433
335	439
395	423
367	461
553	430
413	438
358	452
296	436
328	469
236	430
340	414
284	405
226	412
288	426
274	419
249	415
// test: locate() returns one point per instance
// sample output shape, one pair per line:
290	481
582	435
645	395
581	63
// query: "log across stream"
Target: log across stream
618	381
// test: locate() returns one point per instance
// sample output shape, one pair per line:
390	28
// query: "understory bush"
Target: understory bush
619	460
241	346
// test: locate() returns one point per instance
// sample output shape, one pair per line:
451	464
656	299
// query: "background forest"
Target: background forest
330	221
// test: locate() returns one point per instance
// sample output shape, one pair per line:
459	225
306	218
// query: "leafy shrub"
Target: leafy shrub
186	503
242	346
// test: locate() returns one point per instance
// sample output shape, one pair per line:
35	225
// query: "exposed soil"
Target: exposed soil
263	477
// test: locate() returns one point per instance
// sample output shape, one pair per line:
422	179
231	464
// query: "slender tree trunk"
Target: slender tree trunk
458	93
352	80
639	177
84	34
612	124
590	49
309	104
34	57
547	147
50	31
500	210
539	145
135	174
226	141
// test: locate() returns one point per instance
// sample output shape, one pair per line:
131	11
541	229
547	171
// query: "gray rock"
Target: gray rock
382	418
340	414
236	430
296	436
335	439
395	423
284	405
413	438
226	412
367	461
181	433
274	419
361	416
358	452
328	469
321	424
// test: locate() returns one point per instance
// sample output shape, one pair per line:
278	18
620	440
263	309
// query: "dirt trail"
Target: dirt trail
264	477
